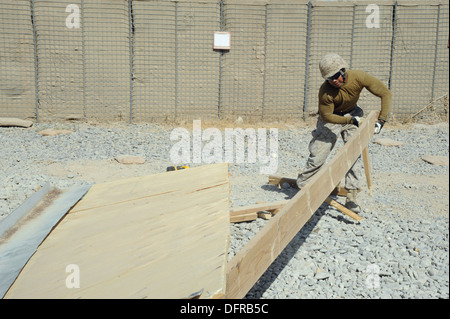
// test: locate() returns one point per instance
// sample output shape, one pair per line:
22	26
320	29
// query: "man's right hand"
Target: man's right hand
355	120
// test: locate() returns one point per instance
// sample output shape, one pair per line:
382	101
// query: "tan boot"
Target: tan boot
351	202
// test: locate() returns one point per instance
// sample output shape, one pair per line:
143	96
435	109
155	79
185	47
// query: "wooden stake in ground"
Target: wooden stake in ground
367	169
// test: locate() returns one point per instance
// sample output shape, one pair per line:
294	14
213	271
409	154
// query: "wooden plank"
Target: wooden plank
258	207
237	217
343	209
258	253
158	236
256	256
265	215
367	169
250	212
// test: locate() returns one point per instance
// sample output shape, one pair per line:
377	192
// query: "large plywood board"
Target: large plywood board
159	236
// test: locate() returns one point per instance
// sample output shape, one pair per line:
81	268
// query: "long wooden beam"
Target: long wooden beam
248	265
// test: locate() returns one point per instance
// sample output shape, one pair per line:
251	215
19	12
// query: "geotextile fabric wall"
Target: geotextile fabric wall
17	65
152	60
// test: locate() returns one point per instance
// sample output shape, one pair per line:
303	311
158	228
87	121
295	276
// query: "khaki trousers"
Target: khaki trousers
322	143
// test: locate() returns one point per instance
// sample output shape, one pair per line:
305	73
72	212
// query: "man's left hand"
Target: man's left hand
379	126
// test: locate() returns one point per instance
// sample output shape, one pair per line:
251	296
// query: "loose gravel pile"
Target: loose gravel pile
399	250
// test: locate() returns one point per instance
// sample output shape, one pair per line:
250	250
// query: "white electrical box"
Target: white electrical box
222	40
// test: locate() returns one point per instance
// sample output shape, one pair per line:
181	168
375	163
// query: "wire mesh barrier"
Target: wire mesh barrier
152	60
17	72
59	62
415	49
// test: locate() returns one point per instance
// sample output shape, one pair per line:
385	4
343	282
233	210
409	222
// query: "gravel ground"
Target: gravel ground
399	250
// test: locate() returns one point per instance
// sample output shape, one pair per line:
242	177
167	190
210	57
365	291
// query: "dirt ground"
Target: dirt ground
433	191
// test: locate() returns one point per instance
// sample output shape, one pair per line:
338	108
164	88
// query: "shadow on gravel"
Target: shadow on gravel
274	270
277	266
289	192
271	274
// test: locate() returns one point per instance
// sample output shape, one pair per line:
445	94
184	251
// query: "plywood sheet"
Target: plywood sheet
159	236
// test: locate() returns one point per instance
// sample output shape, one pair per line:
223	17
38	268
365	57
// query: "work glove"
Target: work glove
355	120
379	126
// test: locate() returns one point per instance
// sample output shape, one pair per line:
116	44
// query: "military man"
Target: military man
339	114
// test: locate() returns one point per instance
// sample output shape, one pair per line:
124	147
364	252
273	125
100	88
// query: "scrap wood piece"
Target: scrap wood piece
388	142
328	200
255	257
54	132
429	105
265	215
237	217
343	209
436	160
155	236
250	212
10	121
129	159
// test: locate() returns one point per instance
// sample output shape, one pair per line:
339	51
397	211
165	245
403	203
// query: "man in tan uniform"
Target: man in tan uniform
339	114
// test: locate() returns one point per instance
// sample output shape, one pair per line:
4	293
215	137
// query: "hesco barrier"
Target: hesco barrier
137	61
